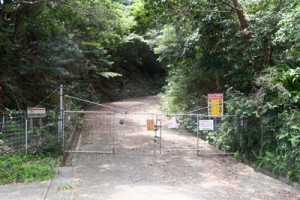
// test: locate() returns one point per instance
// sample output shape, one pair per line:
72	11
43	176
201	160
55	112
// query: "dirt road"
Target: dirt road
133	172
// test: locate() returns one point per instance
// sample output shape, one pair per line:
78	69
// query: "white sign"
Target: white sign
36	112
173	123
206	125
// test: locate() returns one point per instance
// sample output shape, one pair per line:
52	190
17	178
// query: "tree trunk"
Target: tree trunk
242	20
218	81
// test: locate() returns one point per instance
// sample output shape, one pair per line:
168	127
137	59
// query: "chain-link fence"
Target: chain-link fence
13	133
20	133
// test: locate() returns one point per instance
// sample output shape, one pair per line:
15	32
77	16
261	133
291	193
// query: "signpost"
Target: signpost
36	113
215	105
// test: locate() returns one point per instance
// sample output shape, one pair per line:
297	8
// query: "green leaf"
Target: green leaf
295	140
110	74
295	127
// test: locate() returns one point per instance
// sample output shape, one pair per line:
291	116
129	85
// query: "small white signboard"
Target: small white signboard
36	112
206	125
173	123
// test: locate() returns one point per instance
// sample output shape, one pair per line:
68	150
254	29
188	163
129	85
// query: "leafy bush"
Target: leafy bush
270	131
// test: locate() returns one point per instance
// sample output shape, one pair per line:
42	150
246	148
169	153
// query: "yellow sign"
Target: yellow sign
215	105
150	125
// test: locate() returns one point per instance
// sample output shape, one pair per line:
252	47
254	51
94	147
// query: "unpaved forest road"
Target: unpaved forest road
169	176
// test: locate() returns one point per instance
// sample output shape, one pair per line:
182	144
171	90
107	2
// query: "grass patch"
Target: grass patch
65	186
17	167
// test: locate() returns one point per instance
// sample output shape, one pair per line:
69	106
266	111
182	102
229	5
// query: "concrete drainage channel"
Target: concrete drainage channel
62	185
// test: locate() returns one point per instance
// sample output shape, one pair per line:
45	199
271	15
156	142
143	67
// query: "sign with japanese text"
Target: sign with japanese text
36	112
150	125
215	105
206	125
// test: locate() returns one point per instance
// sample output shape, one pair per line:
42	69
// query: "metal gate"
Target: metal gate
127	133
133	137
209	142
110	132
179	133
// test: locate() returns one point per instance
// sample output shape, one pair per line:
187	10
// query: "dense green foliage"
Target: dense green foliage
82	44
16	167
248	50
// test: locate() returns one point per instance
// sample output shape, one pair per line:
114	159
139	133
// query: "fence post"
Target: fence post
26	136
61	118
114	131
3	124
197	135
262	136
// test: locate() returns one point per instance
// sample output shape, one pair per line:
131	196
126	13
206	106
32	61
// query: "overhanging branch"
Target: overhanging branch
229	5
30	2
241	16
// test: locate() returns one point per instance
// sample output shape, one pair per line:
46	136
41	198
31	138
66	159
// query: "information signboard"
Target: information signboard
206	125
36	112
215	105
150	125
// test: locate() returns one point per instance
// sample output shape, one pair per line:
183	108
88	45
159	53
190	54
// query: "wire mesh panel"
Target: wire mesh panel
224	135
13	130
41	131
18	132
89	131
134	137
179	133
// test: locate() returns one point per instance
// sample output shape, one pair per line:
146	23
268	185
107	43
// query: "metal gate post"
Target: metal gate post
61	118
160	137
155	136
26	136
160	127
197	135
216	124
3	124
114	131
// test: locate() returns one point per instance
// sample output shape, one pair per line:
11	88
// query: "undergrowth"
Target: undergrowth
17	167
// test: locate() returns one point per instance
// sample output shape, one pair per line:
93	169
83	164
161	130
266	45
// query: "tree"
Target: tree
248	50
77	43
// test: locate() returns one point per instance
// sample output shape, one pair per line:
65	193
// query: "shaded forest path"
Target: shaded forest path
168	176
